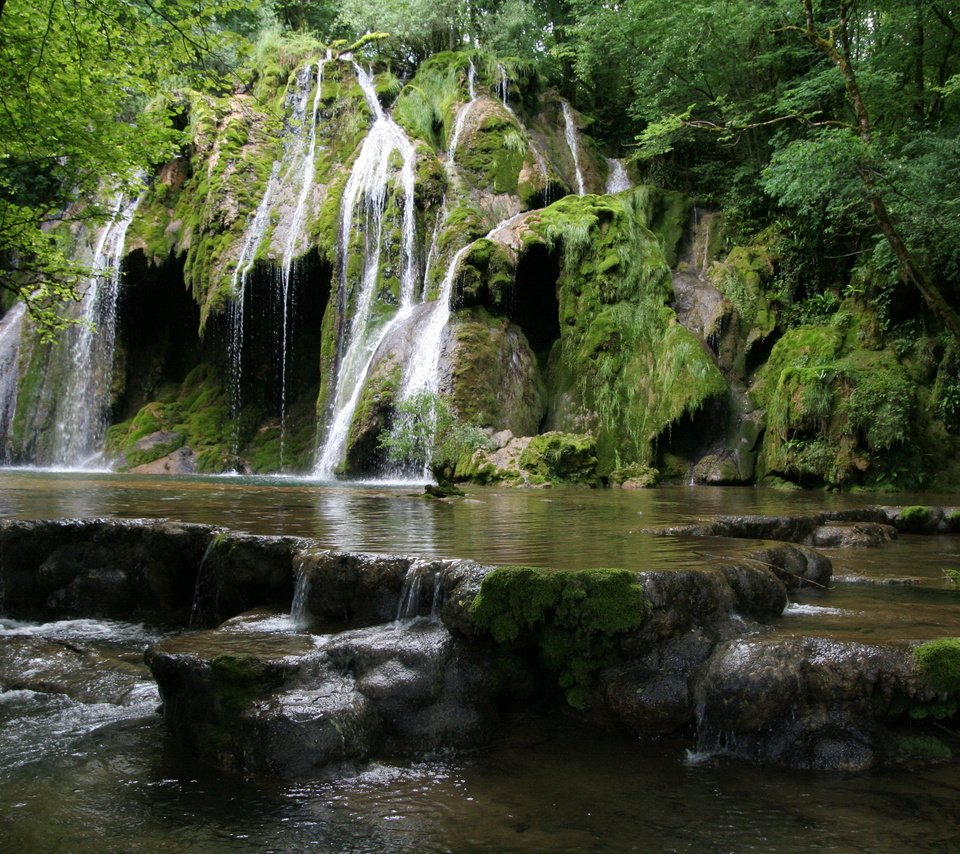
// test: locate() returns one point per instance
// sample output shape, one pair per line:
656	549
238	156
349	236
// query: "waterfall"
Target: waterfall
464	112
366	194
299	608
295	236
503	86
10	329
416	587
292	173
617	181
82	414
570	134
423	369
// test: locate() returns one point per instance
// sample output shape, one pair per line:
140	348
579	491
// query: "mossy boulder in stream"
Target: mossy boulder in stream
573	619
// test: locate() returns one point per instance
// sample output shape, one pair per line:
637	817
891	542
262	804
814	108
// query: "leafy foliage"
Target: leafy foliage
78	80
426	432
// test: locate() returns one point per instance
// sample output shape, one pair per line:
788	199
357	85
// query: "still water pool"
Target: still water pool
80	775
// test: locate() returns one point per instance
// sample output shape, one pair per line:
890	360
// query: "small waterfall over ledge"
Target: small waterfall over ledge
570	133
617	181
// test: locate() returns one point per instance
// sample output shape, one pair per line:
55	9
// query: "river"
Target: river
82	775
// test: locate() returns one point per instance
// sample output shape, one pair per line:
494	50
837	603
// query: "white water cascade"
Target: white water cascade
570	134
617	181
503	86
422	372
366	194
295	235
290	176
461	119
82	411
10	329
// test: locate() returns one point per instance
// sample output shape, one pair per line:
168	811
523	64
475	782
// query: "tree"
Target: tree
836	42
426	433
79	76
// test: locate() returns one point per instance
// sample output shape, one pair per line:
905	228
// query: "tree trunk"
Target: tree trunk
936	301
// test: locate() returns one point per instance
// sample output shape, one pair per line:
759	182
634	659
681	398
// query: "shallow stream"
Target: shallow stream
89	768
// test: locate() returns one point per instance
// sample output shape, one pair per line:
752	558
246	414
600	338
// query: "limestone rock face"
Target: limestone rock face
393	654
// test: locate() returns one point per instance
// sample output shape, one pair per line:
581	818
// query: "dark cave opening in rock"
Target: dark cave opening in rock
281	348
157	341
534	306
690	437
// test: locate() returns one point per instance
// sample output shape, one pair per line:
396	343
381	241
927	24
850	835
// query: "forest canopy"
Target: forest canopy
833	121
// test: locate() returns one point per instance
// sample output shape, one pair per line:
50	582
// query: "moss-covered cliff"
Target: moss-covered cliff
274	270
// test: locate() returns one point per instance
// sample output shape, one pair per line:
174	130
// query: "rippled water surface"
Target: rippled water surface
81	775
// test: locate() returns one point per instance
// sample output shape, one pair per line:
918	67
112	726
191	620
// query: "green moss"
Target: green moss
667	214
574	619
637	476
926	747
197	416
425	106
494	153
939	664
561	457
837	416
914	518
625	369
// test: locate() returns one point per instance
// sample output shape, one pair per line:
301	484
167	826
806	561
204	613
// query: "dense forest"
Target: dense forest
824	134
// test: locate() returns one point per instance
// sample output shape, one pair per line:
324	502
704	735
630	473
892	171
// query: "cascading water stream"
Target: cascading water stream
10	329
294	237
299	607
422	373
461	119
503	87
367	188
570	134
298	151
617	181
82	413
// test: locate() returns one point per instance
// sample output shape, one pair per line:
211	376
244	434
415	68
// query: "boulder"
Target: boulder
837	535
804	702
291	704
128	569
181	461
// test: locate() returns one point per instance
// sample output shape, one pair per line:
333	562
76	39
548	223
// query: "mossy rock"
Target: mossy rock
635	477
198	415
927	748
561	458
574	619
939	664
916	518
624	368
835	416
494	378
